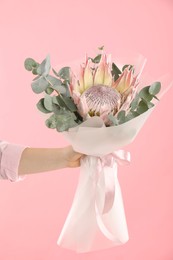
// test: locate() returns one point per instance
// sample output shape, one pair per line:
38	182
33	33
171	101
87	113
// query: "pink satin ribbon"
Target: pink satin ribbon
120	157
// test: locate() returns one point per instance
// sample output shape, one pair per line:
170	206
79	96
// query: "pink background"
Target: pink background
33	212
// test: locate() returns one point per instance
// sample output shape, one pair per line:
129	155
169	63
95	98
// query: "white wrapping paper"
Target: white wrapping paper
97	218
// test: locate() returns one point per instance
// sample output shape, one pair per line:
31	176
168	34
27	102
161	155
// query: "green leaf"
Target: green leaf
131	115
51	122
56	73
44	68
49	90
41	107
29	64
135	102
79	118
56	84
144	94
53	80
116	76
59	101
34	71
134	113
55	100
156	98
115	71
69	103
127	65
142	107
65	102
62	121
113	119
48	103
36	78
39	85
121	116
65	84
64	73
154	89
101	48
56	108
97	58
150	104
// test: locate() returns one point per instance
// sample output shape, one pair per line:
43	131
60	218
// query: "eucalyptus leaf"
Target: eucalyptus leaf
56	108
56	73
48	102
56	84
121	116
135	102
49	90
63	73
65	102
44	68
62	121
59	101
65	84
79	118
53	80
142	107
154	89
150	104
41	107
145	94
131	115
55	100
37	77
70	104
39	85
155	97
51	122
134	113
113	119
29	64
34	71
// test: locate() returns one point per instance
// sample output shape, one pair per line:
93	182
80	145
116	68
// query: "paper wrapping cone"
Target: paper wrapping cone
87	226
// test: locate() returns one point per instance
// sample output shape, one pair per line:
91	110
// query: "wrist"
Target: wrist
62	161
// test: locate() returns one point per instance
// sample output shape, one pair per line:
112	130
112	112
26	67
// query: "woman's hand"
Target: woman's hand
71	158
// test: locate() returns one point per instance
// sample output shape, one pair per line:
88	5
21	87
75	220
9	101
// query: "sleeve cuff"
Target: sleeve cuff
10	162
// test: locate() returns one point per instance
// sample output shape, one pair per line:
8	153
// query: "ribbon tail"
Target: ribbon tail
113	224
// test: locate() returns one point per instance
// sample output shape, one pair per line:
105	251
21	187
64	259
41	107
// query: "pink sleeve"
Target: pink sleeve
10	155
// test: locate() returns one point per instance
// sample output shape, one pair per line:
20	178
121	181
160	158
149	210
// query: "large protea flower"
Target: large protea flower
97	94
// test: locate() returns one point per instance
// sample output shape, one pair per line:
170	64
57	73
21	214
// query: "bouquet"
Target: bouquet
99	111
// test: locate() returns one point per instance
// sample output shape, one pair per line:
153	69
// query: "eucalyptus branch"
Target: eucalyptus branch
51	85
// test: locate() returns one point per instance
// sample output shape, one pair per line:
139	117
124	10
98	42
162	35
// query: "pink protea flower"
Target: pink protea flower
97	94
99	100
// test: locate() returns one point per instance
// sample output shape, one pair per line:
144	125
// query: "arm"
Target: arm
34	160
